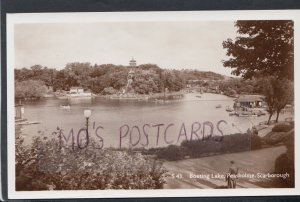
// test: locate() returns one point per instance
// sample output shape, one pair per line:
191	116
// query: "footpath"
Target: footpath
192	173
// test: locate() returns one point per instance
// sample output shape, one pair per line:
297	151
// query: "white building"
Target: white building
76	90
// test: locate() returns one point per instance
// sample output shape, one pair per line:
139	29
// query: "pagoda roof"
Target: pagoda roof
132	60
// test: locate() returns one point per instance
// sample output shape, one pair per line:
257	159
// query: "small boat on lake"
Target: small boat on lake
229	109
246	114
65	107
232	113
219	106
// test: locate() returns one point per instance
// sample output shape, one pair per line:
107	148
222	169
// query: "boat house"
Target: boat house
249	101
76	90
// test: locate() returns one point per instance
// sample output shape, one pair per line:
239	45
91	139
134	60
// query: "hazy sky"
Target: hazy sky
190	45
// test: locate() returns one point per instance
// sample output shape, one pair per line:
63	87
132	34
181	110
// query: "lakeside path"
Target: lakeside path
257	161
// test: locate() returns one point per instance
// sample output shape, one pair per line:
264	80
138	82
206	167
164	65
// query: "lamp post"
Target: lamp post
87	113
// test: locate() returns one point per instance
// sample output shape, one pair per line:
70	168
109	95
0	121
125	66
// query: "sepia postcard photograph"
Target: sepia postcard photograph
151	104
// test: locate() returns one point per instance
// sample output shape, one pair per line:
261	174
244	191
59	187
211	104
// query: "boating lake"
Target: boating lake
149	123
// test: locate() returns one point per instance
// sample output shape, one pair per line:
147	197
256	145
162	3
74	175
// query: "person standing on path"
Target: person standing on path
232	176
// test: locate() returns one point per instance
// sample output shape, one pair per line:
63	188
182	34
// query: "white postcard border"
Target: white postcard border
13	19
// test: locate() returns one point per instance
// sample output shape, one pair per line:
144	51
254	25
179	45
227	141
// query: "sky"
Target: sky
172	45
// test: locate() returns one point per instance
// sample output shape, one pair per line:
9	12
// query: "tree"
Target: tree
278	93
109	91
118	79
146	82
269	92
30	89
61	81
23	74
47	76
37	70
283	93
172	80
38	73
263	47
153	67
78	74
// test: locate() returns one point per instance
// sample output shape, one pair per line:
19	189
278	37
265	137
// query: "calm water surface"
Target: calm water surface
112	114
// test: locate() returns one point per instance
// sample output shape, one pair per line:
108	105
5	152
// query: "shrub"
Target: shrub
236	143
256	142
172	153
109	91
45	164
30	89
285	163
281	128
274	138
197	148
215	145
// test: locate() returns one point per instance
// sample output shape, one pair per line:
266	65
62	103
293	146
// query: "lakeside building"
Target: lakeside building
76	90
249	101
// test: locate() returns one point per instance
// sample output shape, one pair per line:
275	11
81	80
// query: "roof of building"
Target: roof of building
132	60
250	98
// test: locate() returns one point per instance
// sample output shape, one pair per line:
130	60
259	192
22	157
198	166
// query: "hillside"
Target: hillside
110	78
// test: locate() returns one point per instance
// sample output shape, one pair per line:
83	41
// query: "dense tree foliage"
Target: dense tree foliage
263	47
264	50
30	89
109	91
108	78
146	83
195	74
37	72
235	86
48	165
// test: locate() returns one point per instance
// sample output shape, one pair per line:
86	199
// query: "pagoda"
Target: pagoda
132	62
